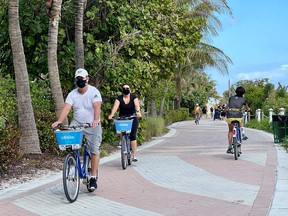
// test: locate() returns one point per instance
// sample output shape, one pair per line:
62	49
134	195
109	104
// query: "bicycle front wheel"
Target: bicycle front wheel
71	178
235	148
123	152
129	149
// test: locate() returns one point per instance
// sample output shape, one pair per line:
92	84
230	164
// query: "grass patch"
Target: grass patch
155	127
107	149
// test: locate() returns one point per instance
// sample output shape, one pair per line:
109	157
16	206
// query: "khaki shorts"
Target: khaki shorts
93	137
230	120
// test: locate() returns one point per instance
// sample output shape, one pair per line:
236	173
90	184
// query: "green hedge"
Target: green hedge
263	125
172	116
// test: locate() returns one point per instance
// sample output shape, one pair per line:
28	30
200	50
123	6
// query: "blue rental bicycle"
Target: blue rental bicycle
236	140
123	126
71	139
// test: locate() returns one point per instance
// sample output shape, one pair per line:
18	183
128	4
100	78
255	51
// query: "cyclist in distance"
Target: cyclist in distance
128	105
197	111
86	102
234	113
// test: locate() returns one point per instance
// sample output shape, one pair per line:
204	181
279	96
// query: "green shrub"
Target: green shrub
172	116
44	113
285	144
141	130
263	125
155	127
9	148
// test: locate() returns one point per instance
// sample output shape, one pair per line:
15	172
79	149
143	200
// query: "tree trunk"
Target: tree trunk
162	106
29	140
79	46
153	108
177	100
52	56
162	103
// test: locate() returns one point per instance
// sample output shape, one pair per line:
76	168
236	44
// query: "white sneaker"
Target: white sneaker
134	159
119	145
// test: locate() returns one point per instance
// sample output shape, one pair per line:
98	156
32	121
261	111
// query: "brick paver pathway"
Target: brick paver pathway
188	173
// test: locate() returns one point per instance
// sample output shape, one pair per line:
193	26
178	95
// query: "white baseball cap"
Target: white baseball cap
81	72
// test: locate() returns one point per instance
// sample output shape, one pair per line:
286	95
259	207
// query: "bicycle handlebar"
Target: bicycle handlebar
69	127
124	117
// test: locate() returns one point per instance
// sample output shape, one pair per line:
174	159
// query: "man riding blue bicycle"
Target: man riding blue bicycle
86	102
234	113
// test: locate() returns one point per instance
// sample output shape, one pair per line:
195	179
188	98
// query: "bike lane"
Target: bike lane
185	172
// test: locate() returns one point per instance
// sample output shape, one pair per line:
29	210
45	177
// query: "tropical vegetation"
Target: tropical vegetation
154	46
160	47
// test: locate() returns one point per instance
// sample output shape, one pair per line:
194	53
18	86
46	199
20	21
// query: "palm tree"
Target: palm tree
54	12
203	55
281	91
79	46
29	140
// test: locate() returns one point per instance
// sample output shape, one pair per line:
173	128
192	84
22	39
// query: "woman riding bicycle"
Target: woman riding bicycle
128	105
234	113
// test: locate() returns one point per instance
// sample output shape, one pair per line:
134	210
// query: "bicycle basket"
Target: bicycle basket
123	125
69	139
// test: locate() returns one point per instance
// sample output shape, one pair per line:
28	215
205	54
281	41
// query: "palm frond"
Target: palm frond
209	56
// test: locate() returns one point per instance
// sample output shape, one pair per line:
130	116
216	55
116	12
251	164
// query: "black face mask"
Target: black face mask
126	91
80	83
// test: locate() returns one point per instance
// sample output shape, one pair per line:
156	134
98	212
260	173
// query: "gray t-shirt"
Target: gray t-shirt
234	107
83	111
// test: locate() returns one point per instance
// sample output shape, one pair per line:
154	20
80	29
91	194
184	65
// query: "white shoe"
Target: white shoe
134	159
119	145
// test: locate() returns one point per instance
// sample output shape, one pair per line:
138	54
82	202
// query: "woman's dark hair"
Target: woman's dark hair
240	91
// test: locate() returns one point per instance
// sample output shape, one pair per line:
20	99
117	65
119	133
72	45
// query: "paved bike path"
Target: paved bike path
185	172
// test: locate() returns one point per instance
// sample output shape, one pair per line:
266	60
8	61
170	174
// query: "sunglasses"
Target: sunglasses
126	88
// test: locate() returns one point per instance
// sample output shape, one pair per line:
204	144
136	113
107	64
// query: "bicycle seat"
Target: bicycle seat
235	121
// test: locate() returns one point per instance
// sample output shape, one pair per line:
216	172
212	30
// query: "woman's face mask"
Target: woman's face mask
81	83
126	91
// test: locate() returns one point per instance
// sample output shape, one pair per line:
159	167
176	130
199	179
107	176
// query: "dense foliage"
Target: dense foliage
135	42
